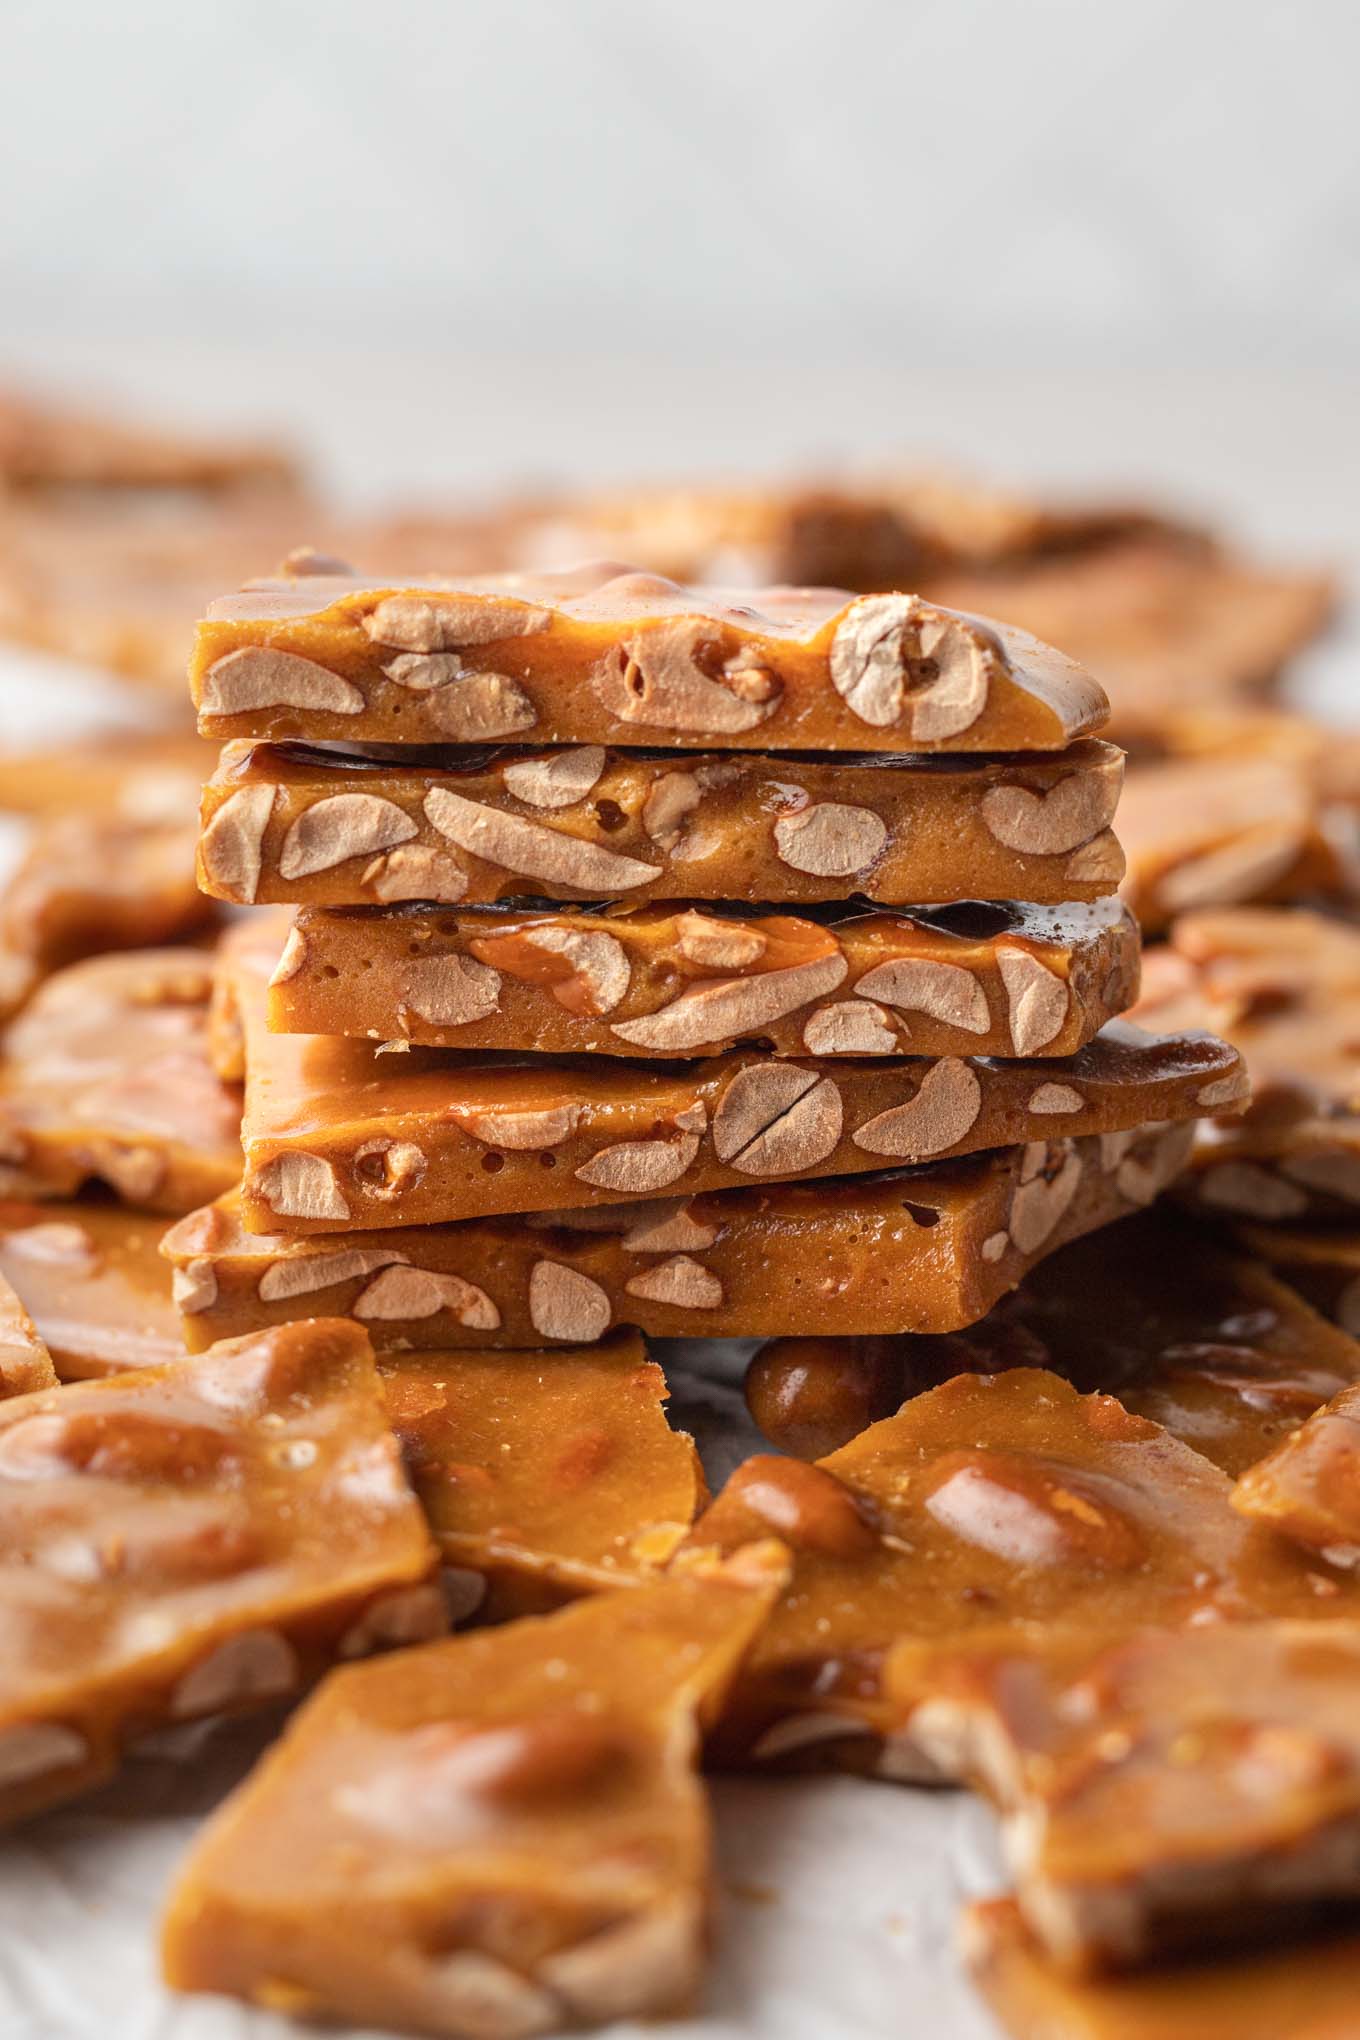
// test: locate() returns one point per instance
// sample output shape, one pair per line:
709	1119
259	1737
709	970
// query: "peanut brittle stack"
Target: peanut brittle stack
714	963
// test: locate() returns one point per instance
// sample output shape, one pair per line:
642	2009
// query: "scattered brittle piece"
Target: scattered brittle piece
667	981
1162	1791
95	1283
337	1134
603	654
296	823
105	1077
1004	1511
1154	1310
196	1539
519	1807
543	1475
928	1248
1307	1990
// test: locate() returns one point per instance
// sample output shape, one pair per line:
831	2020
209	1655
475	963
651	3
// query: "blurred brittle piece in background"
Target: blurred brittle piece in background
104	1077
93	1279
86	885
1308	1989
1283	985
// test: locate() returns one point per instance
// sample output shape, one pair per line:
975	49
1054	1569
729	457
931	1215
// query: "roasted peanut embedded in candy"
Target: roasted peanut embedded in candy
810	1396
1030	1514
808	1507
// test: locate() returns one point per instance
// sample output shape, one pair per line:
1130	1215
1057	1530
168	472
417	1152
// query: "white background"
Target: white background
453	246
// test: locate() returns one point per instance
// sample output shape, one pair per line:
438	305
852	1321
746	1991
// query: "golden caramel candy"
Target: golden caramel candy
603	654
668	981
1173	1790
95	1283
105	1077
1154	1310
338	1134
999	1512
518	1808
25	1363
1309	1487
200	1538
297	823
1307	1991
85	886
925	1249
543	1475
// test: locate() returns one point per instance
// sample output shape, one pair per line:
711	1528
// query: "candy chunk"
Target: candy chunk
338	1134
192	1540
1153	1310
1261	1994
996	1509
544	1475
1175	1789
104	1078
96	1284
519	1808
298	824
602	655
929	1248
665	981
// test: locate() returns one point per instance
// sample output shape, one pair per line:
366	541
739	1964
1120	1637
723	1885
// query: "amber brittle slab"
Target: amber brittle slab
105	1077
925	1249
971	979
198	1538
1155	1310
543	1475
338	1134
599	654
1308	1990
298	824
1171	1790
1003	1512
519	1808
96	1284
